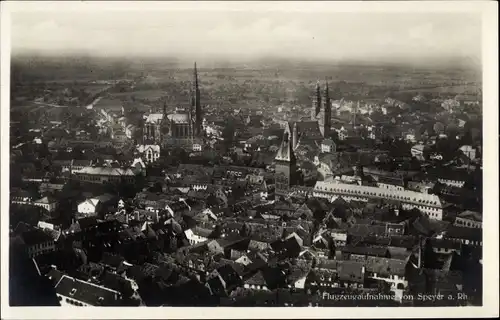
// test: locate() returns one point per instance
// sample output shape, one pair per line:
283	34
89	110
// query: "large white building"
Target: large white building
429	204
88	207
197	235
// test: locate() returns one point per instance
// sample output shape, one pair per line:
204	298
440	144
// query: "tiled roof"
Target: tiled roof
86	292
299	271
257	279
444	243
391	180
471	215
81	163
321	274
368	251
45	200
366	230
385	266
143	148
327	264
472	234
35	236
351	271
54	276
202	232
105	197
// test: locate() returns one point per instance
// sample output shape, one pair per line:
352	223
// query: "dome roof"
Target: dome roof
178	117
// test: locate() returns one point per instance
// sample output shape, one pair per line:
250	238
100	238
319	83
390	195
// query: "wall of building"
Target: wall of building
86	208
70	302
462	222
41	248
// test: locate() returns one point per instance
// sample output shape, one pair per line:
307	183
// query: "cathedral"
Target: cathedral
180	129
313	131
310	132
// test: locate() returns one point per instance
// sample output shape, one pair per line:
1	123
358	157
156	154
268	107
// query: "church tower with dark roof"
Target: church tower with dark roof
286	165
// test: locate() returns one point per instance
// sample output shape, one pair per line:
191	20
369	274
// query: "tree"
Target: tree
438	128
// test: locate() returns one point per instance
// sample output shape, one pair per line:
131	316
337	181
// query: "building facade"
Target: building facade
150	153
429	204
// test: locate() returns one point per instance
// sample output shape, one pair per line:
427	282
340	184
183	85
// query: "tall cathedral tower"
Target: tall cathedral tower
316	103
196	103
286	166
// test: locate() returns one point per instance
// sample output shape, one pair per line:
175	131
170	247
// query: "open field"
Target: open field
141	94
250	86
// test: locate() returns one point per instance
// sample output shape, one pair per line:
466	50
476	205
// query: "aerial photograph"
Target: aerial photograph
245	159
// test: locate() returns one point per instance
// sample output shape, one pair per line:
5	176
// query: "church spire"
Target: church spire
326	111
196	101
195	76
316	107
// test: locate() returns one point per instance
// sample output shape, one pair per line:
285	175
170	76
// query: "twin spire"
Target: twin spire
320	99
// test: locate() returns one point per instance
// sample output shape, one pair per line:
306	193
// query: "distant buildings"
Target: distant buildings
262	231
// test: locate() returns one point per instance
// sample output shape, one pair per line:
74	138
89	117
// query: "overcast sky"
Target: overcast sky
246	34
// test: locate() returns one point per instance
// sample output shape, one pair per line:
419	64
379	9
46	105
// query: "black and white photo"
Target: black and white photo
224	156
